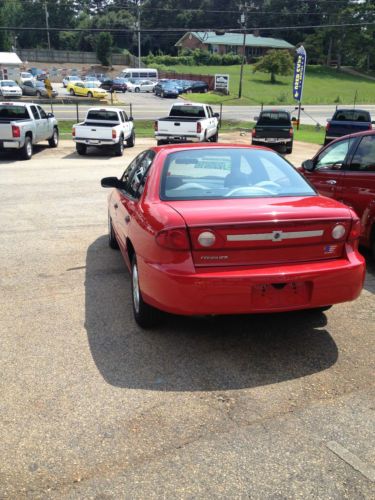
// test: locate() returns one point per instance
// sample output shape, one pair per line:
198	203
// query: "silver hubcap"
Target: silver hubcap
29	149
135	288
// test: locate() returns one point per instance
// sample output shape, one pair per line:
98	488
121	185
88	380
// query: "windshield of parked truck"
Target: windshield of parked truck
188	111
103	114
10	112
274	118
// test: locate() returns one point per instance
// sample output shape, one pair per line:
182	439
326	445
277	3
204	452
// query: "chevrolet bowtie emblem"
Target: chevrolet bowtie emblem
277	235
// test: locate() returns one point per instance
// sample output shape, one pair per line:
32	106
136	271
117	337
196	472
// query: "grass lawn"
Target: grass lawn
144	128
322	86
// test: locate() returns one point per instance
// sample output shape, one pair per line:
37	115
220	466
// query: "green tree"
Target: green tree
104	48
275	62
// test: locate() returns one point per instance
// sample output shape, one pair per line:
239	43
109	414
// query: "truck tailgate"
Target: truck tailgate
5	131
340	128
94	132
177	127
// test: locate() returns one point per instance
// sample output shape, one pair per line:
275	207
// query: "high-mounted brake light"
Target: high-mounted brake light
199	127
174	239
16	131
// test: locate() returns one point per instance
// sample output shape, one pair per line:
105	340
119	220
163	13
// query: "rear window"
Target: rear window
274	118
110	116
230	173
187	111
13	112
352	115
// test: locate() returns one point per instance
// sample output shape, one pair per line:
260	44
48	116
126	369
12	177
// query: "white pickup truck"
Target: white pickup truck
22	125
104	127
188	123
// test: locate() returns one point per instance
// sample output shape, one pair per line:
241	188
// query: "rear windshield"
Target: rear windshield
187	111
13	112
103	114
274	118
230	173
352	115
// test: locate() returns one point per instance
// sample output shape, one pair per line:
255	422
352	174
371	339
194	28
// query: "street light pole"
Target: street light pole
243	23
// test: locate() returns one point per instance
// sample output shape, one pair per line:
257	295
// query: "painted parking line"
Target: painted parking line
351	459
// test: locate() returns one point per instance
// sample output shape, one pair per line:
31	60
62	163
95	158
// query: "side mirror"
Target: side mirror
308	165
372	123
256	118
130	119
294	119
112	182
217	115
50	115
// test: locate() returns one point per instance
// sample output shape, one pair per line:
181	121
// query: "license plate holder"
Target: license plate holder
275	295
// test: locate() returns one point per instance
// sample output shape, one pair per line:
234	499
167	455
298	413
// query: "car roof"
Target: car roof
204	145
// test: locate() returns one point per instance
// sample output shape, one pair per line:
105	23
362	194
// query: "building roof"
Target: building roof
9	58
210	37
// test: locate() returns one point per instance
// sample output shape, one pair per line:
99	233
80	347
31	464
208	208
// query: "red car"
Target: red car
345	170
228	229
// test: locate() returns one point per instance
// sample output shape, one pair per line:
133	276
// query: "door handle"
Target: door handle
127	219
115	206
331	182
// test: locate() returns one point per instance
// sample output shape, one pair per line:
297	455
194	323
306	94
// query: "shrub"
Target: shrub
193	58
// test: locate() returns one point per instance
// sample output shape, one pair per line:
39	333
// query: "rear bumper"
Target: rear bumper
95	142
253	290
9	144
178	138
269	141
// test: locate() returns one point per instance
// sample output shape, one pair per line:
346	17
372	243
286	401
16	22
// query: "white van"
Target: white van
143	73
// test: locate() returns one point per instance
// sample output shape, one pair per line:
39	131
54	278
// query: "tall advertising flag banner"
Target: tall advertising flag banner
299	73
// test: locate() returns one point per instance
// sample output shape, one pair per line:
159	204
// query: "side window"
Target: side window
42	113
35	112
364	157
125	116
138	177
333	157
128	172
121	116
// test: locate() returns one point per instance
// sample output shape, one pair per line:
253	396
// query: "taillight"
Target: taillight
73	132
114	134
156	126
370	126
327	126
174	239
199	127
291	131
254	132
16	132
355	230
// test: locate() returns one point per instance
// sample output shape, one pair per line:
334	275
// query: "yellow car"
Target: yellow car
86	89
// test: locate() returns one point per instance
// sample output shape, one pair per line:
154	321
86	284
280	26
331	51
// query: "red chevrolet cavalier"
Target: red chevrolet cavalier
229	229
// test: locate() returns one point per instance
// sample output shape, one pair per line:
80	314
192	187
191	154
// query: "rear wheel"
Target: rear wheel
38	94
119	147
131	141
215	137
54	140
112	241
289	149
26	152
89	94
81	148
146	316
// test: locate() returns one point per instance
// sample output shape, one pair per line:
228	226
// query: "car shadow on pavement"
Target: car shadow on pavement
194	354
12	156
92	152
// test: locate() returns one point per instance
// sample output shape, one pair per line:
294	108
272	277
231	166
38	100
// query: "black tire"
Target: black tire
81	148
145	315
123	91
289	149
26	152
131	141
112	241
215	137
53	142
119	147
137	89
71	92
89	95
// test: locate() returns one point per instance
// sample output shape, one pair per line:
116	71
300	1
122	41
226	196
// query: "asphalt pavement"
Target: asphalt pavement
147	106
268	406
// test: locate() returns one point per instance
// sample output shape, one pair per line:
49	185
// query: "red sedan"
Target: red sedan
228	229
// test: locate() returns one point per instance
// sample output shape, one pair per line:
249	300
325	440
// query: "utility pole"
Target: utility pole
139	32
243	23
47	26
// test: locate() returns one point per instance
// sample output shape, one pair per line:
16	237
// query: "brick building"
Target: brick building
255	46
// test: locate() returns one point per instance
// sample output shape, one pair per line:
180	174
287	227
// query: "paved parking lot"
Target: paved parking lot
269	406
